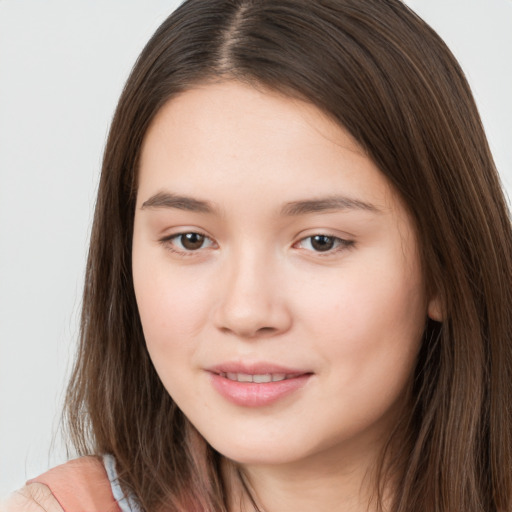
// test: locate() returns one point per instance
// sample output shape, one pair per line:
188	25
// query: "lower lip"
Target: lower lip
251	394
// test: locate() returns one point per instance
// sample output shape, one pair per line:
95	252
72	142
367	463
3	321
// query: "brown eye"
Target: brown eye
191	241
187	243
322	242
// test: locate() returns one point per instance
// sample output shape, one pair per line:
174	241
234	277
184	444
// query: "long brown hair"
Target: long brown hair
383	74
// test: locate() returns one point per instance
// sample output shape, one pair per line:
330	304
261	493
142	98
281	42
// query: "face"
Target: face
276	275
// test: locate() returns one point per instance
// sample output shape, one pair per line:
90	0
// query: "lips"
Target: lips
258	378
256	385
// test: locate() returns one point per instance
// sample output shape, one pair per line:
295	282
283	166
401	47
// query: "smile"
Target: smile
257	387
258	378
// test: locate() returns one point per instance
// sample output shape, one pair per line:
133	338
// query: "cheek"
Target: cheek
369	318
173	307
369	334
364	301
172	303
171	315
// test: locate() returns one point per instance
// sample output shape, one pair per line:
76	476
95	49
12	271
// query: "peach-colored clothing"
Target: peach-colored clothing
80	485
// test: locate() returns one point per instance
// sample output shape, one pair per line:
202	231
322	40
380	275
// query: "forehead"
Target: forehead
227	140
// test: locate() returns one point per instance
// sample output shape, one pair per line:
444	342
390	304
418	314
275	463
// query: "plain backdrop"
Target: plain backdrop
62	67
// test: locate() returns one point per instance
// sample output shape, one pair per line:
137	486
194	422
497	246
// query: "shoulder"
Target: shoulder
80	484
31	498
78	470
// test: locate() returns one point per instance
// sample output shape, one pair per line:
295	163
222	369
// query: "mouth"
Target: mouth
257	385
260	378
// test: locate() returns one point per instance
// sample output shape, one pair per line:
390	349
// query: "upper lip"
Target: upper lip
256	368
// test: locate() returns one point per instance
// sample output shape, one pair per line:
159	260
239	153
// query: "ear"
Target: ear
435	309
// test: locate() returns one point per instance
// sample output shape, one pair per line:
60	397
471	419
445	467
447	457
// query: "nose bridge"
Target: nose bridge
251	303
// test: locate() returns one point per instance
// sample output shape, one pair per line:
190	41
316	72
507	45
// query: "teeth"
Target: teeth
260	378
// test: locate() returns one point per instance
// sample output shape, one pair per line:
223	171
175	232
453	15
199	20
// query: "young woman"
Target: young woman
298	294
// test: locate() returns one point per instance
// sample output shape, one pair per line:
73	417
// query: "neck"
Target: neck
325	483
339	478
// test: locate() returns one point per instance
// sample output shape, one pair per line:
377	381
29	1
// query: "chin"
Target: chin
257	451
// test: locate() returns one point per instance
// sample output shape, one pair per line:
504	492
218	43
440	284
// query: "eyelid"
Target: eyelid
167	242
340	243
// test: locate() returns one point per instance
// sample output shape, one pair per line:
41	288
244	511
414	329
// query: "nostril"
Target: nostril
249	333
266	330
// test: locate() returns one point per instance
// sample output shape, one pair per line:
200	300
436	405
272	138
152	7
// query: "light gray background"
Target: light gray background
62	66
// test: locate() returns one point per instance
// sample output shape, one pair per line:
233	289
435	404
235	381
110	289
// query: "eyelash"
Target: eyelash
169	243
340	244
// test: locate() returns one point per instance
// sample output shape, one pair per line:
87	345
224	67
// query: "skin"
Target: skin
31	498
253	170
256	289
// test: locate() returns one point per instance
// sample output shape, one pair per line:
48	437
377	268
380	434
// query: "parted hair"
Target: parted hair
384	75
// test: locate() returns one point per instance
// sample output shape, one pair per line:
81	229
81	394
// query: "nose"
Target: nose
252	299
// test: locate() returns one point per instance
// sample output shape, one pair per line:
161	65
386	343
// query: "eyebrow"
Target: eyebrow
293	208
326	204
167	200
